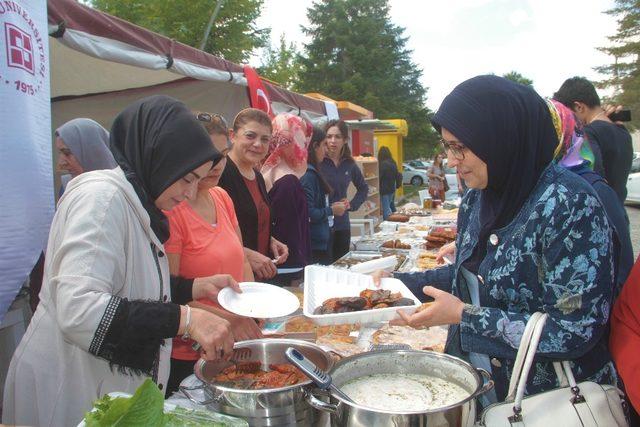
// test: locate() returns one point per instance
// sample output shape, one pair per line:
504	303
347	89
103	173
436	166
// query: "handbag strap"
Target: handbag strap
525	341
528	362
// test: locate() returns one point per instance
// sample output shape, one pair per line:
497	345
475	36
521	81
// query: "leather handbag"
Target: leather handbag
571	404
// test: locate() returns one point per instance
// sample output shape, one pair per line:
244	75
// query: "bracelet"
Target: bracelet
186	336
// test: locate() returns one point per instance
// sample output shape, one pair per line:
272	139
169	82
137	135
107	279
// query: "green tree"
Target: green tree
282	65
624	74
515	76
234	35
356	54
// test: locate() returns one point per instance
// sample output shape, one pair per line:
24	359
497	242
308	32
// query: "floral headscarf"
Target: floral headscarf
573	149
288	131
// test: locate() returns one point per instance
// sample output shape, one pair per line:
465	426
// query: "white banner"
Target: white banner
26	175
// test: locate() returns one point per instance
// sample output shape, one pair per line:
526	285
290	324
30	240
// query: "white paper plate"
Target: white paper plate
259	300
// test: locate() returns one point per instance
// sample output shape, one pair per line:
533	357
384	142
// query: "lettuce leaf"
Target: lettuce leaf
146	408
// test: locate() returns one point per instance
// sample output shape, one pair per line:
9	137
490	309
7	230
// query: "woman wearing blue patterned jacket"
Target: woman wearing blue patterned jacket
532	236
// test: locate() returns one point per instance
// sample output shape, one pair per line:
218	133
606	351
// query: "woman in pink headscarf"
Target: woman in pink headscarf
286	163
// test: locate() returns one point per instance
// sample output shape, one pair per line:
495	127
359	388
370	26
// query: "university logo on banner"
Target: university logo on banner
25	67
19	48
26	172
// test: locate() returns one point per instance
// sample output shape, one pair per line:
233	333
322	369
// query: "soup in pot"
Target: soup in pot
403	392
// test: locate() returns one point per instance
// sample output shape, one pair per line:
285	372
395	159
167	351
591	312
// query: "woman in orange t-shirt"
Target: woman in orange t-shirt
204	240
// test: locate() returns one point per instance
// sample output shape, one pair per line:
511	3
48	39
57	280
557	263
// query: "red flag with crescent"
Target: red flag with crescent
257	92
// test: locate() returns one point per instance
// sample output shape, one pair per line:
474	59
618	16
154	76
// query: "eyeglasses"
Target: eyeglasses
206	117
455	148
217	119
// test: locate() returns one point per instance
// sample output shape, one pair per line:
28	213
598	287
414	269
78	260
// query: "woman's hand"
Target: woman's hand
262	266
378	275
338	208
446	309
212	332
280	251
209	287
448	249
244	328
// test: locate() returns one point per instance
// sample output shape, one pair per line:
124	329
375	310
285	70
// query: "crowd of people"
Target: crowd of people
173	205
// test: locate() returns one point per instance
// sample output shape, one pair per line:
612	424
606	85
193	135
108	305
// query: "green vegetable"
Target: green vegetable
146	408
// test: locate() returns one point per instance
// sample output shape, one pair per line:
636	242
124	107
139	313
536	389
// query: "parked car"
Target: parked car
633	189
414	176
420	164
635	164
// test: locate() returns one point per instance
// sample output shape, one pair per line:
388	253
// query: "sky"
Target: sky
547	41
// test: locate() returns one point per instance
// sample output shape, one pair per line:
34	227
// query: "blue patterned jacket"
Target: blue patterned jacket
556	257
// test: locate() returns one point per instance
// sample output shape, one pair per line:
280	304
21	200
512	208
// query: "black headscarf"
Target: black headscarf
156	141
509	127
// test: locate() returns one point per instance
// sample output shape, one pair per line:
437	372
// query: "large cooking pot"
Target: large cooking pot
266	407
452	369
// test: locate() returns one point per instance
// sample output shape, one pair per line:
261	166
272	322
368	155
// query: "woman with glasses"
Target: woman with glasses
204	240
241	178
437	178
340	170
532	236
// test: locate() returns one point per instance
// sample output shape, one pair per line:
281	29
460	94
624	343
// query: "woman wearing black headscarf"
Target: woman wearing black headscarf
531	237
105	322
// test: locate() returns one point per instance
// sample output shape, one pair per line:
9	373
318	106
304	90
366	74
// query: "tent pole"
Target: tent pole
210	24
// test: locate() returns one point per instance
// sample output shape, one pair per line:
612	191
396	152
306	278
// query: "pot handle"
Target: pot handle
487	384
185	390
319	404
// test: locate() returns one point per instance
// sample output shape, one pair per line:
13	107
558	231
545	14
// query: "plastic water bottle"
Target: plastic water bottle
330	217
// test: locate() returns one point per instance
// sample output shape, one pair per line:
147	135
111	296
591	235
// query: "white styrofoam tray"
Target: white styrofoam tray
322	283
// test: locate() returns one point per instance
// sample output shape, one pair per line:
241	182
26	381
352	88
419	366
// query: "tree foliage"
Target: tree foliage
282	65
624	74
515	76
234	35
357	54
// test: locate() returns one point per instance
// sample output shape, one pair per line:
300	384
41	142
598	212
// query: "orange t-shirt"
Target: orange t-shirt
205	249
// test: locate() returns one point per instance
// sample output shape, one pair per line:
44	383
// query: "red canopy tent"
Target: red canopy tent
100	63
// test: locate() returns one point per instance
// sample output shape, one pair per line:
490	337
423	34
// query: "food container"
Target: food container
322	283
267	407
354	258
461	413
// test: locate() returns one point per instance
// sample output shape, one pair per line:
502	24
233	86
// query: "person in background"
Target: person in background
625	338
388	179
109	307
527	229
282	170
82	146
437	178
611	143
317	191
250	138
339	169
574	153
204	240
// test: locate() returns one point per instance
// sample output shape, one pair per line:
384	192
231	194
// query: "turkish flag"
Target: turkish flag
257	92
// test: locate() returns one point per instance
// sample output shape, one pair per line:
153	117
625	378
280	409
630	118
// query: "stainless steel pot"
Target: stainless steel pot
452	369
267	407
